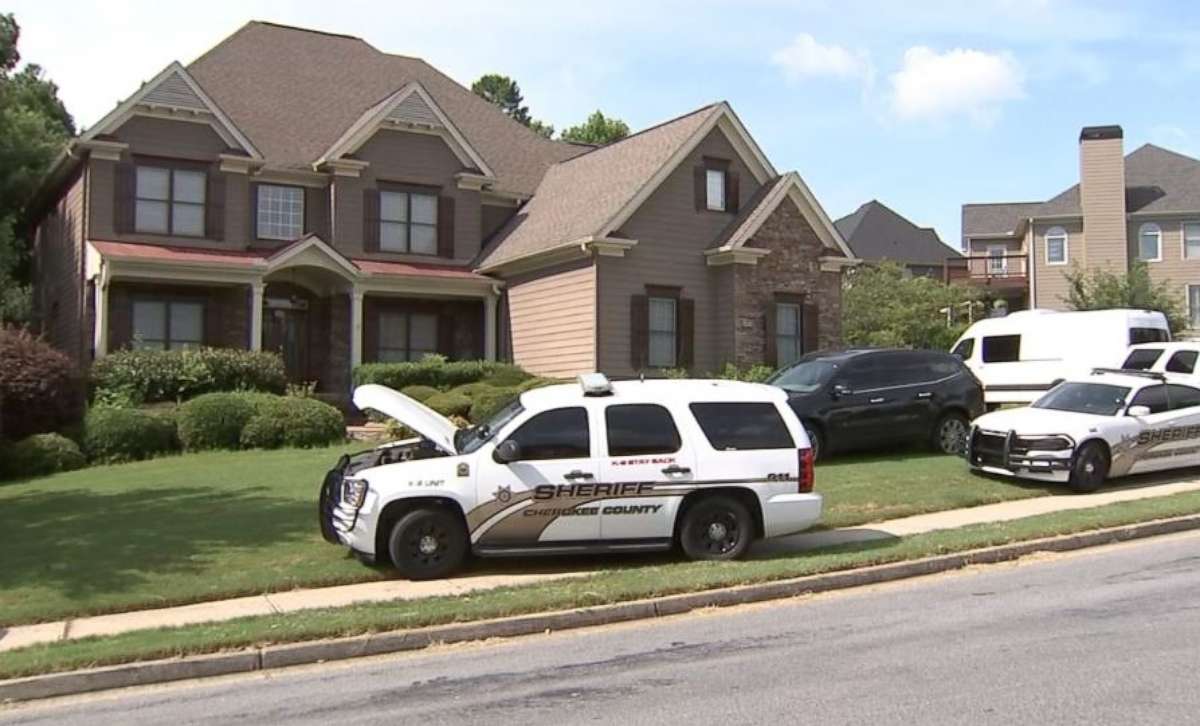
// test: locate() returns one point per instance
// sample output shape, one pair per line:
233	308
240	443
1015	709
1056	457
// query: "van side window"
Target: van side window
741	426
1137	336
560	433
965	348
1142	360
639	429
1001	348
1183	361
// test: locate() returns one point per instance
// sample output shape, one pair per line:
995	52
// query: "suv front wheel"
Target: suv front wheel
718	527
428	543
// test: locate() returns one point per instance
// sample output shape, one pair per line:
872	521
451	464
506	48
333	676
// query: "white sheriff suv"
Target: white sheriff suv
588	467
1084	431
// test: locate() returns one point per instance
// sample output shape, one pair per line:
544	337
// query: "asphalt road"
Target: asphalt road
1106	636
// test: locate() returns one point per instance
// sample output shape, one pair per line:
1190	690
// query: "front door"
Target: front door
285	331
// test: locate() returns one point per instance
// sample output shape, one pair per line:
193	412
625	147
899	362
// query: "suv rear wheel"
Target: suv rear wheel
428	543
950	433
717	527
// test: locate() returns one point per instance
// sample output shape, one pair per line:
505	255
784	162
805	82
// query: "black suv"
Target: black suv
875	398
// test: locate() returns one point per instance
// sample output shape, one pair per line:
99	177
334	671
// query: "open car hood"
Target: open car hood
412	413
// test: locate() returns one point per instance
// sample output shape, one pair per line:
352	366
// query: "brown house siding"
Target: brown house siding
553	320
794	268
672	236
406	158
58	301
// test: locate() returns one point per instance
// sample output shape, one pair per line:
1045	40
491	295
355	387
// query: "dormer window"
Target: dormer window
280	212
408	222
715	186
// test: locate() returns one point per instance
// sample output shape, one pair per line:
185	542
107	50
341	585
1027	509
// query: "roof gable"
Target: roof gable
174	94
410	108
879	233
768	198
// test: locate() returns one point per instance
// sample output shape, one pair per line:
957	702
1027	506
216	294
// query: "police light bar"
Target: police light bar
595	384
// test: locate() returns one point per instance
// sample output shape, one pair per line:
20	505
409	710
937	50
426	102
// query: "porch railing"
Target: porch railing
986	268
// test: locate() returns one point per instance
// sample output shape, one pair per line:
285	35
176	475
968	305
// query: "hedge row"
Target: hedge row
436	372
256	420
147	376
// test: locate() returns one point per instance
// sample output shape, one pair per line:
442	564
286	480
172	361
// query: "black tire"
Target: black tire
949	435
428	543
1089	468
814	440
717	527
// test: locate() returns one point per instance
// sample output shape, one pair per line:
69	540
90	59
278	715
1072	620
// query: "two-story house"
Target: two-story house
304	192
877	233
1141	206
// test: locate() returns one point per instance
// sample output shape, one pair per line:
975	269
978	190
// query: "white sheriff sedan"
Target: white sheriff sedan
589	467
1113	423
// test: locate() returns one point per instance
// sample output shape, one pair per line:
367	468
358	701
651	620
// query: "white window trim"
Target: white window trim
650	331
708	202
1187	302
1002	271
1158	231
1066	238
1183	255
258	211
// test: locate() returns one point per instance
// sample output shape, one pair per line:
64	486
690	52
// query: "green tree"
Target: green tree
506	93
34	126
1101	289
882	306
598	129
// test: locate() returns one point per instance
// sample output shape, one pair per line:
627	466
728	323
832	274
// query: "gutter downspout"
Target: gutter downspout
1032	264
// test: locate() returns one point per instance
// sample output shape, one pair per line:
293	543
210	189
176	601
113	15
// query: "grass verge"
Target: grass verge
214	525
603	588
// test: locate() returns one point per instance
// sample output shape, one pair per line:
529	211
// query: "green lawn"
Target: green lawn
621	585
208	526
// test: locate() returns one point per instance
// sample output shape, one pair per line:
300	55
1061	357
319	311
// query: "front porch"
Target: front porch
323	313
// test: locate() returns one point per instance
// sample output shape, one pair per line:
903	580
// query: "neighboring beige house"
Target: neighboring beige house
1145	205
304	192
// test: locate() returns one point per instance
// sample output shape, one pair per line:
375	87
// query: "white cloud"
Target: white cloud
805	57
973	83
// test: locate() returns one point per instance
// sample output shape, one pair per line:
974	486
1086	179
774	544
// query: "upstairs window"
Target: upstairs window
167	324
715	189
1056	246
280	212
408	222
1191	240
1150	242
169	201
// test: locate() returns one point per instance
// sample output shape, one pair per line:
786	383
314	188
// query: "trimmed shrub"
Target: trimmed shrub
419	393
301	422
753	374
533	383
39	386
214	420
471	390
487	404
39	455
434	371
506	374
113	434
449	404
146	376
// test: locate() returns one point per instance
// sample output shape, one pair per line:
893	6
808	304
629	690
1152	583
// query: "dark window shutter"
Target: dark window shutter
770	349
445	334
731	192
811	327
253	211
316	212
214	206
214	334
370	220
701	188
445	227
685	356
639	331
124	189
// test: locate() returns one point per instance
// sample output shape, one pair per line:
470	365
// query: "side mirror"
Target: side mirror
1139	411
840	389
507	452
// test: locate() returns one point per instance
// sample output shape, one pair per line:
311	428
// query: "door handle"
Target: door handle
925	394
877	400
578	474
676	469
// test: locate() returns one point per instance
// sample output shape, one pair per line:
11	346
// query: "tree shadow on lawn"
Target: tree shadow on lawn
84	544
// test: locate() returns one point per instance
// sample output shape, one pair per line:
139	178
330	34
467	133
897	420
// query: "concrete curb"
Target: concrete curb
278	656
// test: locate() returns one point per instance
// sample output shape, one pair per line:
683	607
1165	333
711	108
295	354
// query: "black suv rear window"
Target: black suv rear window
741	426
640	429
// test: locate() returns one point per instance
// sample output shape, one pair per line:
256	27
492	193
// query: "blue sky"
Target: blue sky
922	105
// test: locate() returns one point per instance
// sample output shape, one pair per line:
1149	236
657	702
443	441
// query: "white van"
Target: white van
1022	355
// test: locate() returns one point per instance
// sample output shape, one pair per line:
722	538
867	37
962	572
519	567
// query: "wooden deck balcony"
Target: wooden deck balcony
999	271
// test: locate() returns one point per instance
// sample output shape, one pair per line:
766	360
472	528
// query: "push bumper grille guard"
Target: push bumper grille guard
1005	450
331	490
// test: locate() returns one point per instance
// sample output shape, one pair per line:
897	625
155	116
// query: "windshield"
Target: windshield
1094	398
471	438
804	377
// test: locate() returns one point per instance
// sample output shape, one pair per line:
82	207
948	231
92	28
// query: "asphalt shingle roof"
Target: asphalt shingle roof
995	220
876	232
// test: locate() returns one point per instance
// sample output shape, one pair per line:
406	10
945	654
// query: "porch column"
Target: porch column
256	314
489	327
100	327
356	328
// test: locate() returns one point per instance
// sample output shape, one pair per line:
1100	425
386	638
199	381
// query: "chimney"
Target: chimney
1102	197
